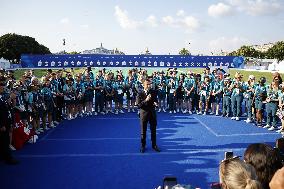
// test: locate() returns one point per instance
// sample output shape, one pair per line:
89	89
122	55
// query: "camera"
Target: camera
229	155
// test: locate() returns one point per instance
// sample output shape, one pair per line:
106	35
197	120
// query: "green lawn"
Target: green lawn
257	74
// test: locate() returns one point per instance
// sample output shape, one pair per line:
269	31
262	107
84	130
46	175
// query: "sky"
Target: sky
162	26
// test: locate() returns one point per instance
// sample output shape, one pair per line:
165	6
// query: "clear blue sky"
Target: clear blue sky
164	26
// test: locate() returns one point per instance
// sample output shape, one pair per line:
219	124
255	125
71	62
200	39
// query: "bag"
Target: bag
280	113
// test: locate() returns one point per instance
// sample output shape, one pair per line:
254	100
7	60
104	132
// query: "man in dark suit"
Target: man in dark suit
146	102
5	125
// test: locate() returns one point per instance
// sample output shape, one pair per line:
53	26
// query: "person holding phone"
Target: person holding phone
147	102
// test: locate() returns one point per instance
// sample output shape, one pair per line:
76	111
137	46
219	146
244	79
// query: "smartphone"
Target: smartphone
229	155
169	182
215	185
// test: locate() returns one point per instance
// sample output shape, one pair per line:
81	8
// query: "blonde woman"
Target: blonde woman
236	174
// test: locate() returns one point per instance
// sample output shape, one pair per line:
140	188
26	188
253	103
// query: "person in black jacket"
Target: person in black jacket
5	126
146	102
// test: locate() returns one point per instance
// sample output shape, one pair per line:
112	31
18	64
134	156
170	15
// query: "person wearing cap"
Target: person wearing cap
99	93
237	88
54	91
69	92
35	103
162	91
250	86
48	105
272	101
204	92
189	86
131	92
119	89
260	97
172	87
89	95
147	102
5	126
109	92
216	95
227	93
180	93
79	95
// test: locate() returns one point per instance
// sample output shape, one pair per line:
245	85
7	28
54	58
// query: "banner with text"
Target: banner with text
95	60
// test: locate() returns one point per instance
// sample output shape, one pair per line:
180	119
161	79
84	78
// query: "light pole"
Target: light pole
64	43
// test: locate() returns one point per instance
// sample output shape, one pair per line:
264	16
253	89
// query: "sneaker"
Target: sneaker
237	119
280	131
56	122
227	115
159	110
175	112
170	112
199	113
185	111
211	113
52	125
189	112
46	128
121	111
271	129
12	147
217	114
266	126
248	120
204	113
133	110
233	118
116	112
103	113
164	110
95	113
128	110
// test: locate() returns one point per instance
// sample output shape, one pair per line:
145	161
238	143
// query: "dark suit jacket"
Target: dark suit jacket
146	105
5	114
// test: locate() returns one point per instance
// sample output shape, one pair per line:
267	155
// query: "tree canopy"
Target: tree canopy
13	45
184	51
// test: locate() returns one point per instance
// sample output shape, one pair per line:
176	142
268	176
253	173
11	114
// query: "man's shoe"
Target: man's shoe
156	148
12	161
142	149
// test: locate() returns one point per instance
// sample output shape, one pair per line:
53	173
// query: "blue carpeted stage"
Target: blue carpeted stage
103	152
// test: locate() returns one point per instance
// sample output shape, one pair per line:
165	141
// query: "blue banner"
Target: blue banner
95	60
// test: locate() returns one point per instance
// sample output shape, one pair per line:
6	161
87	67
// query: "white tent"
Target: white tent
5	64
280	66
273	66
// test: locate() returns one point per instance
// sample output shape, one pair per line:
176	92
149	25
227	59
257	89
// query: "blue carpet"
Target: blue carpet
103	152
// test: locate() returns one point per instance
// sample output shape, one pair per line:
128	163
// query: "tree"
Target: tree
276	51
73	52
247	51
13	45
184	51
